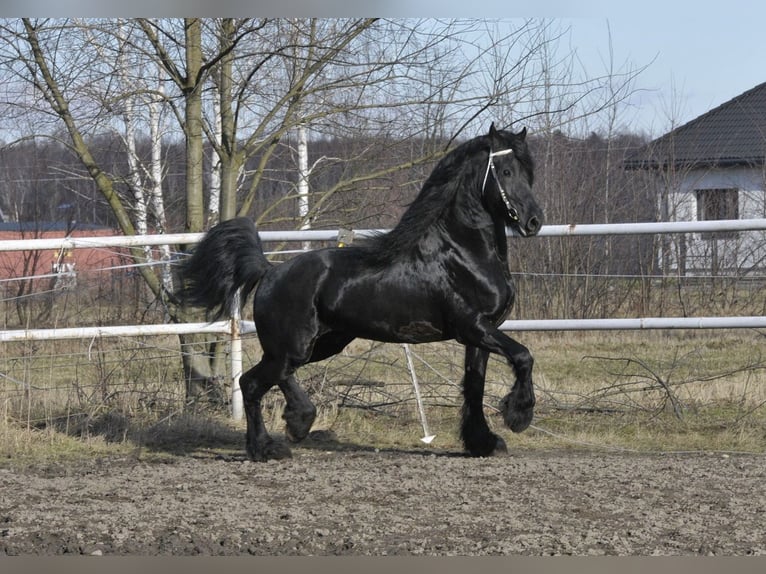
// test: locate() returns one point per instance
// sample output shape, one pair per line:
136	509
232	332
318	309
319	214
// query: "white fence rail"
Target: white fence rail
646	228
217	327
232	328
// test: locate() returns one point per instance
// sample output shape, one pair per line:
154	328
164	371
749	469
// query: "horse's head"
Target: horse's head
507	185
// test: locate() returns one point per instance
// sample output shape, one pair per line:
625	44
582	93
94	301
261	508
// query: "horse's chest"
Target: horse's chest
510	297
486	288
504	298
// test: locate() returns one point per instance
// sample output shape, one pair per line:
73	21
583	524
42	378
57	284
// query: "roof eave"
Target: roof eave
654	164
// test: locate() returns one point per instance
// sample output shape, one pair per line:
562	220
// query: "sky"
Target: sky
696	59
697	54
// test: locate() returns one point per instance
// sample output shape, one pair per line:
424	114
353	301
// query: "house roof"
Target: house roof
731	134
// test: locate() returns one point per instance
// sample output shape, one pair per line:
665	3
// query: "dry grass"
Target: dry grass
644	391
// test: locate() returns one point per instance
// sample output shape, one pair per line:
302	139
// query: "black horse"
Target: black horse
441	273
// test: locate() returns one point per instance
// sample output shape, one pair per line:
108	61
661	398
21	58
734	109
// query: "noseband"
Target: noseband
491	167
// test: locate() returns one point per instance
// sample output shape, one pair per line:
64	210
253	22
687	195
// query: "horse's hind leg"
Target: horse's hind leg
299	413
477	438
255	383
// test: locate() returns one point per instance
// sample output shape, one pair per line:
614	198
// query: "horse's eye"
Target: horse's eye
507	172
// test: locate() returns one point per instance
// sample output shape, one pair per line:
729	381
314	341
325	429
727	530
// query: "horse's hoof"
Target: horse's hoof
298	424
493	447
516	419
500	448
269	450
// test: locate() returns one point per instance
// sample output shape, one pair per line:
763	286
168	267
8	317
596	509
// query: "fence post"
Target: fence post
236	360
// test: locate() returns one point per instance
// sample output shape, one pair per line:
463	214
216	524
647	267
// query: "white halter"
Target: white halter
491	167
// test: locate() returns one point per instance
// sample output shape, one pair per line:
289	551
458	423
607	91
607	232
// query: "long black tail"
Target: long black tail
229	257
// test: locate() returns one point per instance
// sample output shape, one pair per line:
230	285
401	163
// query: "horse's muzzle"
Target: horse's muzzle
533	226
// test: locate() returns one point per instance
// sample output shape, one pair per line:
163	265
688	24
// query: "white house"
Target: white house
712	168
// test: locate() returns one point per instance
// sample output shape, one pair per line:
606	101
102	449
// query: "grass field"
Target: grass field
645	391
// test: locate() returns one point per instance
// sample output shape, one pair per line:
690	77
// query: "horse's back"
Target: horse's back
345	290
396	302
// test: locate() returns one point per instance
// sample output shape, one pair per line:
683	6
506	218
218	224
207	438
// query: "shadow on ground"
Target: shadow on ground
207	435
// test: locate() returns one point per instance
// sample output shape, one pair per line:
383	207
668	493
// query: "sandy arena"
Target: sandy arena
329	500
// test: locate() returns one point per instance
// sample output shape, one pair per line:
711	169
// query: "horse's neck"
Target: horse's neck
468	218
501	241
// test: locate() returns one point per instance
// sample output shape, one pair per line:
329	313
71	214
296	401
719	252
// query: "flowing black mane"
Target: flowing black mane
453	174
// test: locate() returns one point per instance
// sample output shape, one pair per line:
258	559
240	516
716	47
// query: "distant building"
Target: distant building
56	268
712	168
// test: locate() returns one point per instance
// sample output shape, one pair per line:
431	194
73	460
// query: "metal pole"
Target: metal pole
237	409
428	436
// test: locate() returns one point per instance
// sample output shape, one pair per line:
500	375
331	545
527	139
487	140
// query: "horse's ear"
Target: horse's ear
492	131
523	133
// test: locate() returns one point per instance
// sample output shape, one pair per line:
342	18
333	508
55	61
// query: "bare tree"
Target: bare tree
243	86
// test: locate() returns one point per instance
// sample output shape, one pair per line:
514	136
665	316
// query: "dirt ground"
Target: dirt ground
329	500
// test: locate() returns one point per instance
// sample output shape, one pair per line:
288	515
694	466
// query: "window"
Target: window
717	204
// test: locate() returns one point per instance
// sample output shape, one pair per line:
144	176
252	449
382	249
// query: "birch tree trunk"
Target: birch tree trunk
214	201
303	182
140	211
157	202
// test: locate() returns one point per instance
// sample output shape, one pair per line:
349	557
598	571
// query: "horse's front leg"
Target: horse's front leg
518	405
474	430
